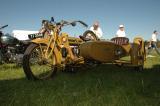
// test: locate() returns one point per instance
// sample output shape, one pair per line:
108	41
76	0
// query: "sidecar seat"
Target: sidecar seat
120	40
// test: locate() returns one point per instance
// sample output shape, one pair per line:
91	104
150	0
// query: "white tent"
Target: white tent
22	34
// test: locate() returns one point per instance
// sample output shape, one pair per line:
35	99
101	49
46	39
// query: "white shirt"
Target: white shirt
98	32
154	37
121	33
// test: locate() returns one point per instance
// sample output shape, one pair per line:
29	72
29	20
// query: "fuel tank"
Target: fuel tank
9	40
103	51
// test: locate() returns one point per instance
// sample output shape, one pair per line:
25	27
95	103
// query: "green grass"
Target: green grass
104	85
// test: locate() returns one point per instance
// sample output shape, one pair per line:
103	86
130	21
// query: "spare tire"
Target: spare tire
89	36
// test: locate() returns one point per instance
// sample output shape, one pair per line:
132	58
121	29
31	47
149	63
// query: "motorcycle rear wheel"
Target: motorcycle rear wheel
35	65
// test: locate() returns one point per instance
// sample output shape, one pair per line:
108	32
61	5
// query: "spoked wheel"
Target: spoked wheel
90	36
36	65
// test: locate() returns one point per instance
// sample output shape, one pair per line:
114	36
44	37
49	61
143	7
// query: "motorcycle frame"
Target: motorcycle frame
55	42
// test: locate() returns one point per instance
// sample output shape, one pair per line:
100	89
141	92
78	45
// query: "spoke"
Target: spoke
40	65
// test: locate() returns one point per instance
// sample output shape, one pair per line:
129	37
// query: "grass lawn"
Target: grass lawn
104	85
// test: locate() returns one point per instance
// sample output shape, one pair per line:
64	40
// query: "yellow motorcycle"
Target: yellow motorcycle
51	50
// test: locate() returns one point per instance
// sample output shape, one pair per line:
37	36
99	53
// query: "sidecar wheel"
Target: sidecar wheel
35	66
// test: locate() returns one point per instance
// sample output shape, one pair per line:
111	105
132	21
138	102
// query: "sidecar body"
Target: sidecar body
112	51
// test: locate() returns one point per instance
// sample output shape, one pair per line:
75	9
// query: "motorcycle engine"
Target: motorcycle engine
13	56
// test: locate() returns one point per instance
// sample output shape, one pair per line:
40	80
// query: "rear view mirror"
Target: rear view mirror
3	26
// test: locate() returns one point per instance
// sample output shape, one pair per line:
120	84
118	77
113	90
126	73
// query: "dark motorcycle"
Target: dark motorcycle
11	49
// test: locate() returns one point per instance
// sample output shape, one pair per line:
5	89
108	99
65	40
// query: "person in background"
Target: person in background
121	31
97	30
153	43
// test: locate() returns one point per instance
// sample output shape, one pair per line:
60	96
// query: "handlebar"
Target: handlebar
83	23
64	23
3	27
73	23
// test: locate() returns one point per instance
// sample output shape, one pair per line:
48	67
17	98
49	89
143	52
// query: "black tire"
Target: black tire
27	66
95	38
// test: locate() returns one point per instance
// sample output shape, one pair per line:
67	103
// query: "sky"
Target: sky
140	17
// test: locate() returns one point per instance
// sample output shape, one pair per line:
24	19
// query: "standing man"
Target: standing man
121	31
153	42
96	29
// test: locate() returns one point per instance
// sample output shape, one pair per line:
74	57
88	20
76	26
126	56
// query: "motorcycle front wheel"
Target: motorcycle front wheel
36	65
